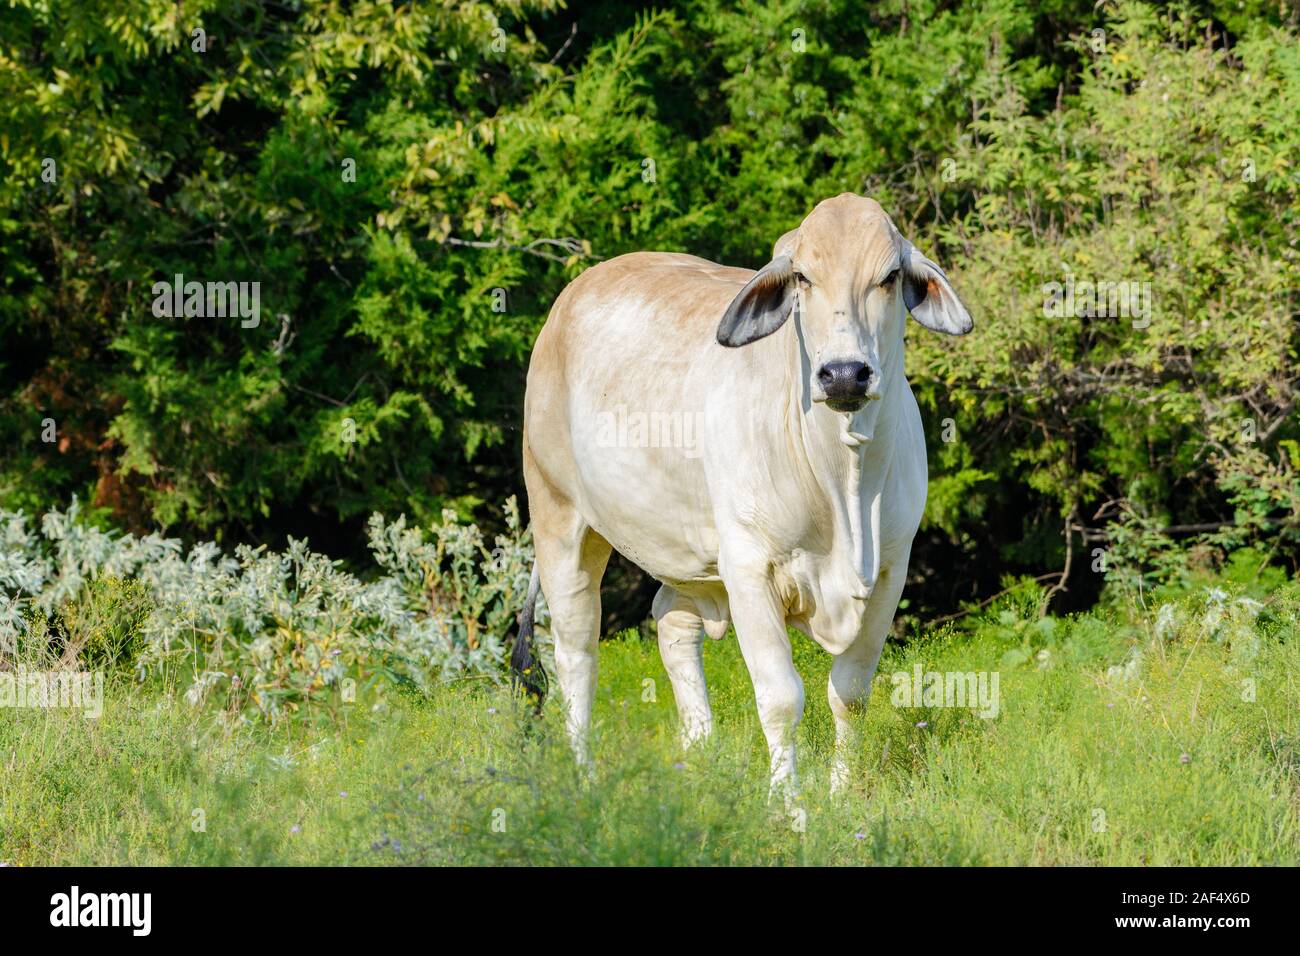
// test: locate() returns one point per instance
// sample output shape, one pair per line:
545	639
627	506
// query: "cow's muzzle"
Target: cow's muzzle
845	384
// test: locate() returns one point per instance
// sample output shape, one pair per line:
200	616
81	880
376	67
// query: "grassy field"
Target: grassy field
1153	737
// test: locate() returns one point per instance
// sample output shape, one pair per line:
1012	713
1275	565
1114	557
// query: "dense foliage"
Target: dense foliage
412	184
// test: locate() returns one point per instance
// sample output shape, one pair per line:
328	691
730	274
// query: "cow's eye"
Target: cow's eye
802	279
888	281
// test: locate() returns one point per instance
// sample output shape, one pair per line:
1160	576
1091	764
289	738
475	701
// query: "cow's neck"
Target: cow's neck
849	459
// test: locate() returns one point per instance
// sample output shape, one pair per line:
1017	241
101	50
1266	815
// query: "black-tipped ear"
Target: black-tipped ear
761	307
929	297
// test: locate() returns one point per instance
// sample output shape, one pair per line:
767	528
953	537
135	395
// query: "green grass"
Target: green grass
1170	767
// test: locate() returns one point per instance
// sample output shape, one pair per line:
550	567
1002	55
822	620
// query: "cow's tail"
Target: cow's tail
525	666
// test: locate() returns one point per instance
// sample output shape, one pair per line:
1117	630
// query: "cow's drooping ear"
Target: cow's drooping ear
929	297
761	307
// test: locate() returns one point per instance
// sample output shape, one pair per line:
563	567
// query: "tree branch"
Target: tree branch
573	247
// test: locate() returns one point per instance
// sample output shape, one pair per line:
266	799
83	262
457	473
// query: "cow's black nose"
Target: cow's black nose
845	384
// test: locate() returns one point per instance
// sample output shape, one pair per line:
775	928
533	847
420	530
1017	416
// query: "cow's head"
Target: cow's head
853	277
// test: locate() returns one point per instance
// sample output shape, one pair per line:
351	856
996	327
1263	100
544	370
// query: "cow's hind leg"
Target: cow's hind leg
681	636
571	559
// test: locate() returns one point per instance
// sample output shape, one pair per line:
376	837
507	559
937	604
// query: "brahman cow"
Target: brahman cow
794	483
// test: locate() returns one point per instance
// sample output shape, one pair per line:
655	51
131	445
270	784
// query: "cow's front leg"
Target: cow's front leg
849	686
759	618
681	632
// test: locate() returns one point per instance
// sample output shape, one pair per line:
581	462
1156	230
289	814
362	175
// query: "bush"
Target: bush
1166	437
263	633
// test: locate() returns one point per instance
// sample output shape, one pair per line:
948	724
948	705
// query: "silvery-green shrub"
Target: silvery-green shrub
268	633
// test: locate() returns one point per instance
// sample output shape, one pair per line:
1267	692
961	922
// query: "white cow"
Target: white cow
768	472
